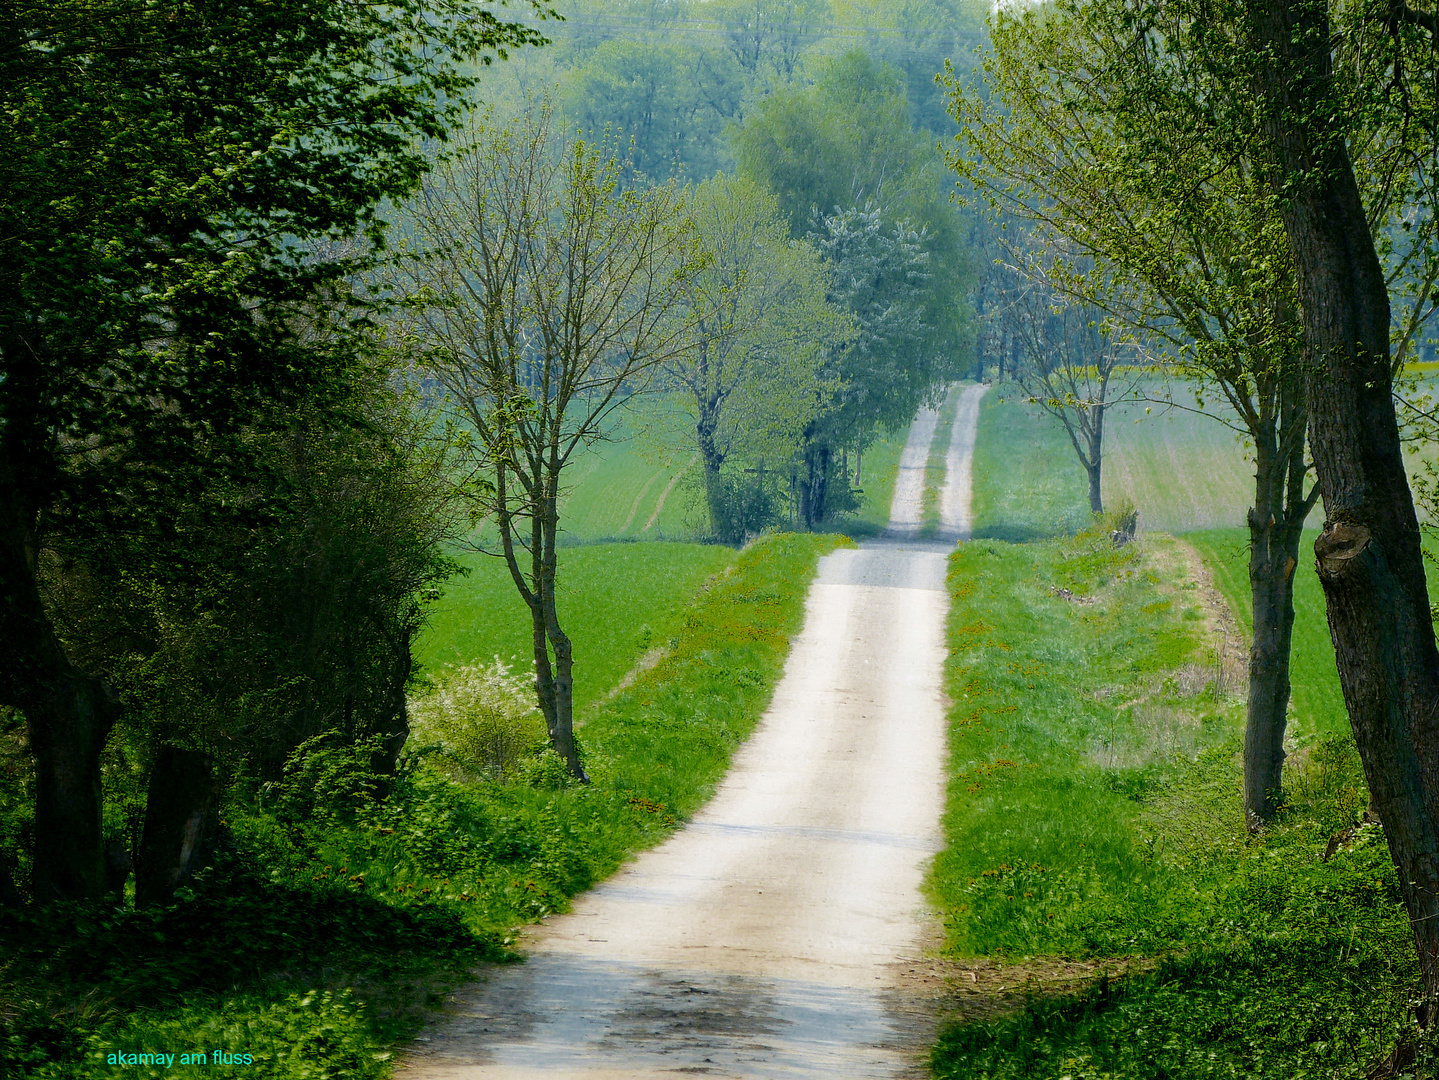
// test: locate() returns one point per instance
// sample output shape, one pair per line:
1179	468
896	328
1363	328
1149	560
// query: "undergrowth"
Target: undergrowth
342	905
1094	814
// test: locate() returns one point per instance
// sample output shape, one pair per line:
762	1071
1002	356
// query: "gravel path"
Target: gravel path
769	938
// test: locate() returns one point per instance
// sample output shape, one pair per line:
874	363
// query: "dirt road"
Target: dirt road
768	938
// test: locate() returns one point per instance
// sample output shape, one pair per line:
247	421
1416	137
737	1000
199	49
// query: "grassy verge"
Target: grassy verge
877	478
935	469
317	941
616	601
1093	814
1027	483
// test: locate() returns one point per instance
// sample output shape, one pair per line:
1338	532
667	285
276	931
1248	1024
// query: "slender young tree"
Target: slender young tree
550	293
1134	158
1068	364
763	332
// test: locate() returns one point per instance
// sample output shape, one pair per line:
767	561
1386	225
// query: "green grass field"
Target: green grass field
1027	483
1316	703
1093	815
1184	471
639	483
615	600
643	481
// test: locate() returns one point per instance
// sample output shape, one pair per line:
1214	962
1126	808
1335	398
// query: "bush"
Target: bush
327	780
483	717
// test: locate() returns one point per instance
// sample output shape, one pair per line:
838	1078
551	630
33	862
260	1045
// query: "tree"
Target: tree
881	275
263	615
1065	362
166	165
771	35
1368	556
851	172
672	100
763	333
1136	159
549	293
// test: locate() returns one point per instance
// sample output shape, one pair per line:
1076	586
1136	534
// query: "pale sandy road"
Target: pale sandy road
954	498
763	940
905	508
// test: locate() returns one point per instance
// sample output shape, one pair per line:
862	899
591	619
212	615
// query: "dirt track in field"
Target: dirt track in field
780	934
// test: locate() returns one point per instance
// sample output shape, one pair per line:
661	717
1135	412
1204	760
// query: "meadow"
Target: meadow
1094	820
1182	470
616	601
1094	814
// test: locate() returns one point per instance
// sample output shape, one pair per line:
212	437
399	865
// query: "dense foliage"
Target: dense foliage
317	938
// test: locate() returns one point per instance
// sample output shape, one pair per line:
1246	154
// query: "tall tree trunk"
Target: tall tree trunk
712	459
1096	492
1276	523
560	713
1368	555
68	713
814	488
178	807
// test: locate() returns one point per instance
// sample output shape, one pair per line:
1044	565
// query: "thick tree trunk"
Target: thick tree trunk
1369	558
1096	492
712	460
814	487
178	807
68	713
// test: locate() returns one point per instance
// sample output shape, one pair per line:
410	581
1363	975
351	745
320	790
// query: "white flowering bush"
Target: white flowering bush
483	716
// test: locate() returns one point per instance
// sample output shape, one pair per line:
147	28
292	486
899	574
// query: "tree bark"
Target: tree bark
712	459
1096	492
1276	524
554	681
814	486
178	805
1096	446
1368	556
68	713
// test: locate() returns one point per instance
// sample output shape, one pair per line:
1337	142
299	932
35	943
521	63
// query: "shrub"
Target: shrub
483	717
327	779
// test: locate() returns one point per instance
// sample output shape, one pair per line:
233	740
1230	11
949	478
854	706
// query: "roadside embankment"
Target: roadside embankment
1093	824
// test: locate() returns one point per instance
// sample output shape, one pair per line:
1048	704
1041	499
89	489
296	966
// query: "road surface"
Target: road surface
768	938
